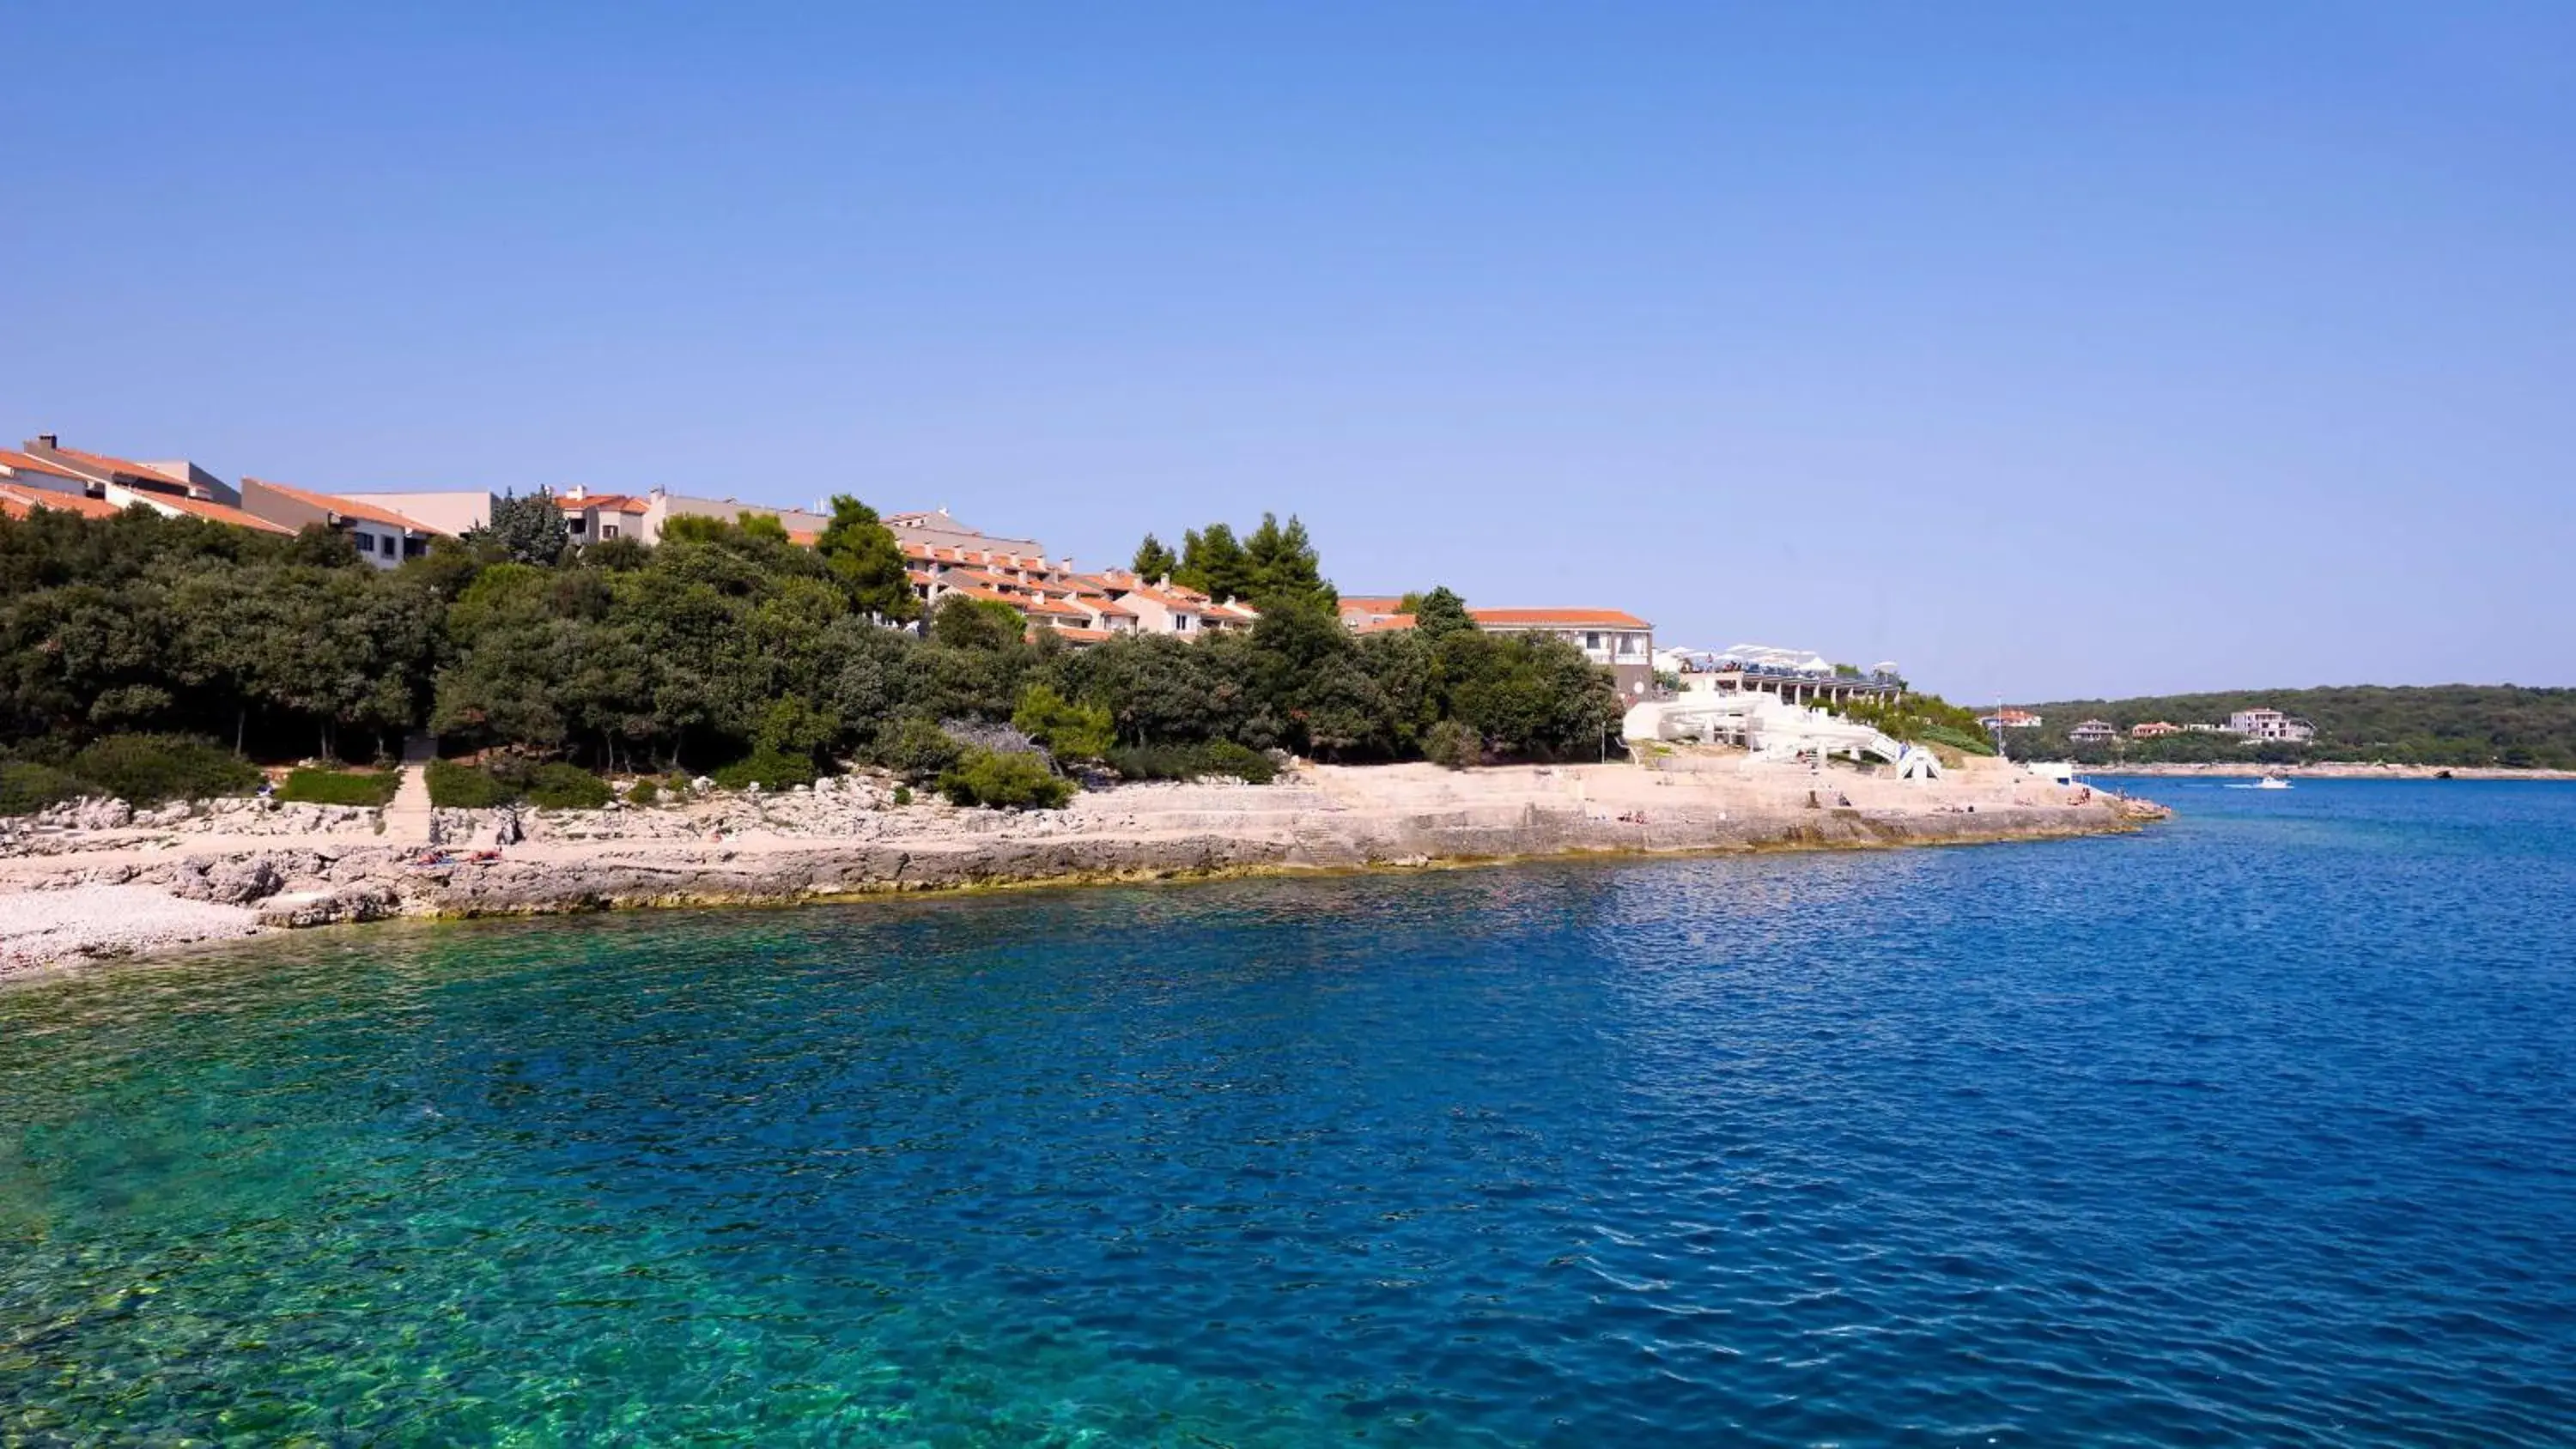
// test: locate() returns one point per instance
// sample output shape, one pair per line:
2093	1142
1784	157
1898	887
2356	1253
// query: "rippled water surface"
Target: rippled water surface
2256	1129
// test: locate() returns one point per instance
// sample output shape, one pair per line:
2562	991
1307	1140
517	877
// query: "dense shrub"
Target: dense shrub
1453	744
644	792
464	787
340	787
989	777
1069	731
26	788
567	787
148	769
769	768
919	750
1924	719
719	640
1964	743
1189	762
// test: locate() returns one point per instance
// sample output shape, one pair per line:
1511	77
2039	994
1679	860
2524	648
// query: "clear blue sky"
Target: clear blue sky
2047	349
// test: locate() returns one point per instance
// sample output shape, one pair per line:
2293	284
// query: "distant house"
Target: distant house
1162	607
440	510
22	470
2154	729
2010	719
2093	732
97	470
382	537
2270	724
652	512
595	517
181	505
1359	612
937	529
1619	641
18	501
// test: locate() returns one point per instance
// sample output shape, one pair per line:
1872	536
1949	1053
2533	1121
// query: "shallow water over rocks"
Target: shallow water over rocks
2253	1129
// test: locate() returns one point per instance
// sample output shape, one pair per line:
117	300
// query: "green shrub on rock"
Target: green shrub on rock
919	750
1004	781
464	787
567	787
644	792
769	768
26	788
148	769
1190	762
340	787
1069	731
1454	745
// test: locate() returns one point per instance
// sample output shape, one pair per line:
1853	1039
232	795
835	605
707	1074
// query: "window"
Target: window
1592	639
575	523
366	543
1180	623
608	530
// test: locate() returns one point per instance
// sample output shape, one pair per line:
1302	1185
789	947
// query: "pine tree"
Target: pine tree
869	563
1153	560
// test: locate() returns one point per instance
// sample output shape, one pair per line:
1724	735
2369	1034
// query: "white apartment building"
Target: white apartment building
382	537
2270	724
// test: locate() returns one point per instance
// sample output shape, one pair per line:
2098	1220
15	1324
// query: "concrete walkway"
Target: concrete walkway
407	818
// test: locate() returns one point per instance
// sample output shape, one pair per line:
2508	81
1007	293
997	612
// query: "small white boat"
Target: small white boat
2271	782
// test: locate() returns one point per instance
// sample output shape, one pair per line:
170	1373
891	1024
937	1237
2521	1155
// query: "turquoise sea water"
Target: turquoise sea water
2259	1128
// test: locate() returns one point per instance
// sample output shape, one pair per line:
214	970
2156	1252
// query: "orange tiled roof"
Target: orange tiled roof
989	596
977	578
1601	618
1076	634
214	512
1169	598
22	462
347	507
1372	603
18	502
1389	624
106	464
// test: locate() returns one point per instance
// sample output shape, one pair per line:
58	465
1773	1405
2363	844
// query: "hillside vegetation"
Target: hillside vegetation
2449	724
727	648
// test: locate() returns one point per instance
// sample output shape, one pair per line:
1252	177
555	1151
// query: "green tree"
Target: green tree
869	563
1068	730
1213	563
988	624
1153	561
526	529
1438	613
1528	696
1281	567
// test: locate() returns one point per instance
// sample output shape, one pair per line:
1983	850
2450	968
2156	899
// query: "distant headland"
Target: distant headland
2413	729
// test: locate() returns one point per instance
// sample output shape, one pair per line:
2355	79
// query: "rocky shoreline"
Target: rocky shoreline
848	839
